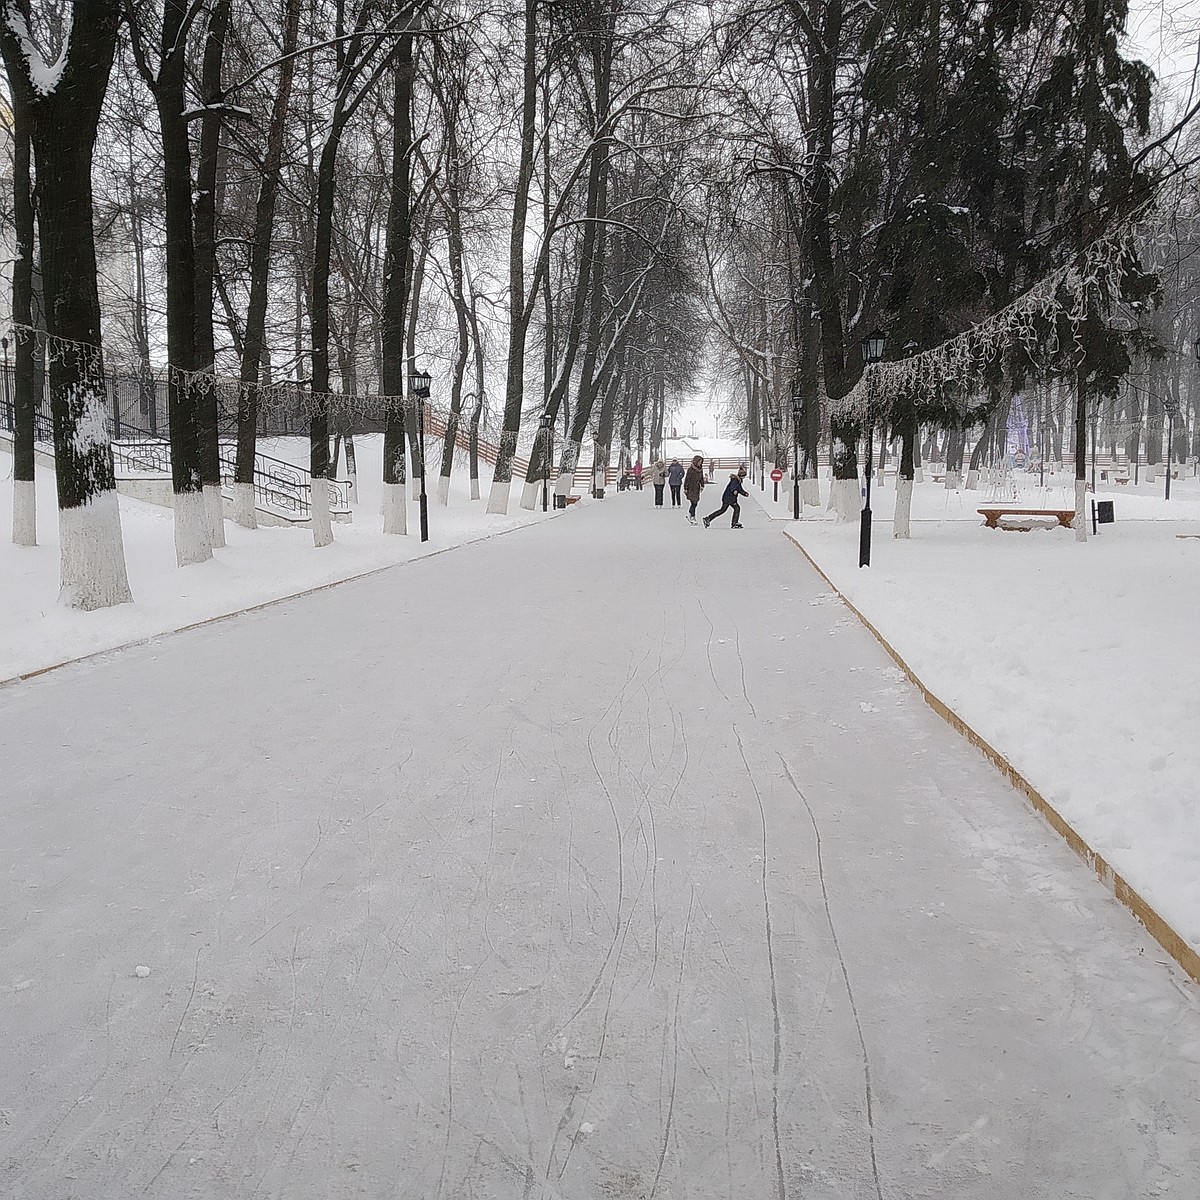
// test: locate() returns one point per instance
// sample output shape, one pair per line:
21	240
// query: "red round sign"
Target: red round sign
776	475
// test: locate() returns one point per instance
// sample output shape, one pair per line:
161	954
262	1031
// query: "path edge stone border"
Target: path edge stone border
37	672
1149	917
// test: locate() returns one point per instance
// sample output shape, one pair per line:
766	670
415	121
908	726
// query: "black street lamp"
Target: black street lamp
872	350
418	385
797	409
546	424
10	417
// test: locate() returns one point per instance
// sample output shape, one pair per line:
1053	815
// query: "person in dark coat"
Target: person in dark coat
675	479
729	499
693	485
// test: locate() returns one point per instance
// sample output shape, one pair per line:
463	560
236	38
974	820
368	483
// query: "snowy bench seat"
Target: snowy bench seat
992	514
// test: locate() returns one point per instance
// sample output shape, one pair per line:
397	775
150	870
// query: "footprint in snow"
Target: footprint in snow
867	708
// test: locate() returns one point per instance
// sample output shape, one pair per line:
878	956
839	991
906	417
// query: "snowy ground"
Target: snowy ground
612	859
258	566
1074	661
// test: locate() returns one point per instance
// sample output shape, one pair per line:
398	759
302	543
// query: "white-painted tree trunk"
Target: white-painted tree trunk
530	490
24	525
972	480
395	508
352	477
953	481
901	521
918	475
1150	472
1081	510
475	488
414	485
443	490
322	521
846	499
216	515
810	493
498	499
92	555
193	542
243	505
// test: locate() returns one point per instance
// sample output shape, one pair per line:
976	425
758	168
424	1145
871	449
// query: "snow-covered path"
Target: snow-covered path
607	858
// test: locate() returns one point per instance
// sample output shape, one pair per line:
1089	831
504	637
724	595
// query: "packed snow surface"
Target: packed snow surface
611	858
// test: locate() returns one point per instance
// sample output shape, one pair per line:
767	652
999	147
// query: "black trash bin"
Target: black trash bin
1104	512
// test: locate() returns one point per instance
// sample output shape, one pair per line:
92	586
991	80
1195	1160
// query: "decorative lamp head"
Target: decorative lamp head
418	382
872	347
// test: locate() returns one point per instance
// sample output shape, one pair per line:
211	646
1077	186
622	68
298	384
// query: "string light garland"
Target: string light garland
287	398
956	370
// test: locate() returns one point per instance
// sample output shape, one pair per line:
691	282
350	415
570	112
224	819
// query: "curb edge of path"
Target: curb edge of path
37	672
1113	880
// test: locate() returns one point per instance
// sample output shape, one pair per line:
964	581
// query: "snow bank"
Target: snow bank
256	566
1074	661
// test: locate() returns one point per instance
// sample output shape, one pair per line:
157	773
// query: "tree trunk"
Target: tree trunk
459	300
906	419
395	293
416	438
514	387
205	225
24	517
193	542
253	347
62	124
845	497
480	396
318	428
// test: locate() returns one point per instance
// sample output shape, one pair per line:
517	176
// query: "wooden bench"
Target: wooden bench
992	514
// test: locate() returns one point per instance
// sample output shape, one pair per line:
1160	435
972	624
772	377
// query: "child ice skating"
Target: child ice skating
729	499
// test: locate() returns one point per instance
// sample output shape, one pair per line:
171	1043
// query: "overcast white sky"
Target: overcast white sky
1164	34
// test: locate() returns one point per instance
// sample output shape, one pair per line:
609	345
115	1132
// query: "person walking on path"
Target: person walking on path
675	479
729	499
637	474
658	477
693	485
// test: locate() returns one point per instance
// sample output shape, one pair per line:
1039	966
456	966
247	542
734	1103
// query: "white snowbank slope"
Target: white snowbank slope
1073	661
36	631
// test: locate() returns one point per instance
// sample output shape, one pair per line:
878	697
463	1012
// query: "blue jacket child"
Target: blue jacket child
729	499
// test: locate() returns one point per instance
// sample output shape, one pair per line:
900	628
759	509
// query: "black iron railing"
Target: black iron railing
283	487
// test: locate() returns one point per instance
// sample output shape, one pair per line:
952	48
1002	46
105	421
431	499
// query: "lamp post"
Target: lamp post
546	424
797	405
418	385
9	415
872	348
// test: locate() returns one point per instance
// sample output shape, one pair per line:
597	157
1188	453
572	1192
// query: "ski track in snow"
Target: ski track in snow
608	890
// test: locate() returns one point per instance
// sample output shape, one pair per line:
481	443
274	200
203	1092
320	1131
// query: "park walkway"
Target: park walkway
607	858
